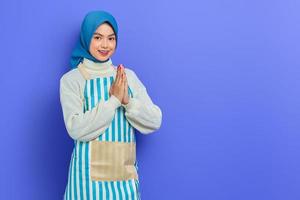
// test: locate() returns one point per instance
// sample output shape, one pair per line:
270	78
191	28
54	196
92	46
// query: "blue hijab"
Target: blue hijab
89	25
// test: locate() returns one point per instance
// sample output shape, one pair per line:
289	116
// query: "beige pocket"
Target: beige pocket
111	161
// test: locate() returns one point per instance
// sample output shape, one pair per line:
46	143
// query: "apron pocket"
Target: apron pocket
112	161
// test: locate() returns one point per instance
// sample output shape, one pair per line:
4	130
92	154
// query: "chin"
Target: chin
101	58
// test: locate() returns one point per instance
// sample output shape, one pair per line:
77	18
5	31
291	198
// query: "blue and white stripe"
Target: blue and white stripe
80	186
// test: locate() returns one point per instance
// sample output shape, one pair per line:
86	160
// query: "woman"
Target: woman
102	106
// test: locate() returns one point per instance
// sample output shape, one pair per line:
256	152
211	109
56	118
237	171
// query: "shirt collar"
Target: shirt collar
98	68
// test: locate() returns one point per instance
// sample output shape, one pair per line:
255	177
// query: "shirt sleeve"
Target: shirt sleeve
90	124
141	112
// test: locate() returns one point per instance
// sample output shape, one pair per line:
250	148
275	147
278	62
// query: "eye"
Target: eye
97	37
112	38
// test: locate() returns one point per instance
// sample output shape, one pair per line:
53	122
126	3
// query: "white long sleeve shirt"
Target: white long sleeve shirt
141	112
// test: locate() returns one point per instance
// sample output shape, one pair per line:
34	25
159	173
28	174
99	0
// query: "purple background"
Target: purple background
226	75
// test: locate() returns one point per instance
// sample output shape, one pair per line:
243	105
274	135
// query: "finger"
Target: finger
118	71
121	80
126	87
125	81
118	76
125	76
122	68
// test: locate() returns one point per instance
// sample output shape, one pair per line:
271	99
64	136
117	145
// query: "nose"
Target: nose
104	43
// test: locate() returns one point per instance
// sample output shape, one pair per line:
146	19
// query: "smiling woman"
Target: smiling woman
102	107
103	42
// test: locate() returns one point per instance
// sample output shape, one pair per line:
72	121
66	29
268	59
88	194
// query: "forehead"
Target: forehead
104	29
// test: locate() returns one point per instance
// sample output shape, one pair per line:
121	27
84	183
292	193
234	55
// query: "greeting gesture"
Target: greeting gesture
119	88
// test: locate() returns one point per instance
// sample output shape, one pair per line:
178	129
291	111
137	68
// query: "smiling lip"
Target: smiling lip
103	53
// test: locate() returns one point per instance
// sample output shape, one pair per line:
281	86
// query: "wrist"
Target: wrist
115	101
129	105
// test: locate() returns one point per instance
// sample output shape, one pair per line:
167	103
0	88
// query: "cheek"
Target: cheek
113	45
91	46
94	45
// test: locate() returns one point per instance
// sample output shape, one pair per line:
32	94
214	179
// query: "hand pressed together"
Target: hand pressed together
119	88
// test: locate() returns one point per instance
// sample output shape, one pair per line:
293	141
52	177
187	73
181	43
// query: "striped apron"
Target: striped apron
80	186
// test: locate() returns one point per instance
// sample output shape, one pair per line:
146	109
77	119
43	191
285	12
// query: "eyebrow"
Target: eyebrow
102	35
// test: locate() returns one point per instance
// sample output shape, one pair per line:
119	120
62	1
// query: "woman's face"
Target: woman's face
103	42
